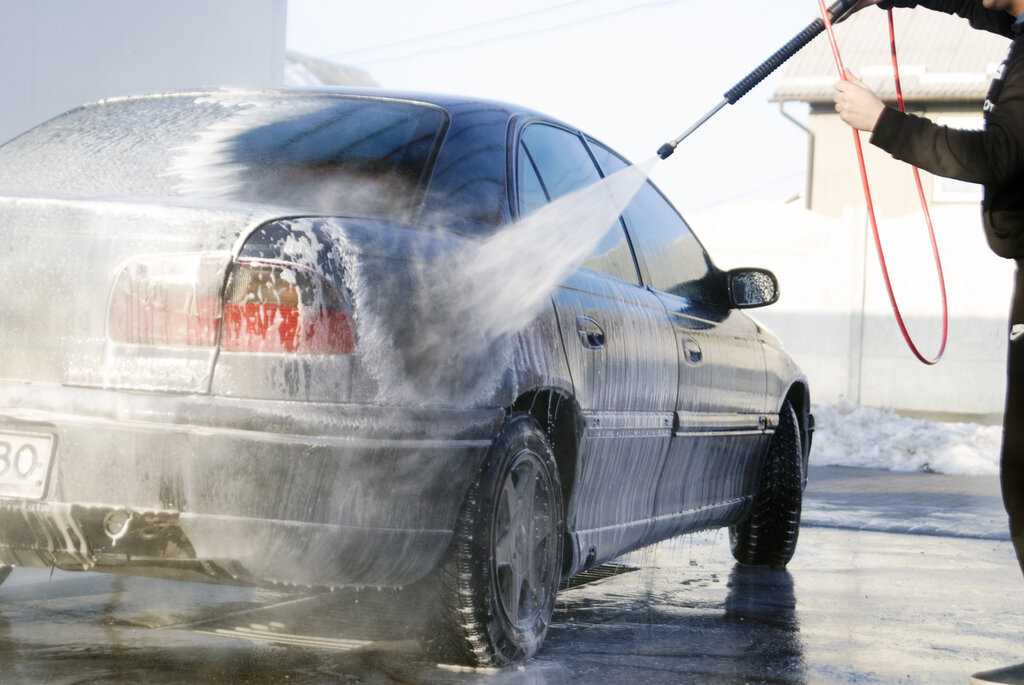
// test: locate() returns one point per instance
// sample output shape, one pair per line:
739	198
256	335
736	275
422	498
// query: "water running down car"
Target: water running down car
189	387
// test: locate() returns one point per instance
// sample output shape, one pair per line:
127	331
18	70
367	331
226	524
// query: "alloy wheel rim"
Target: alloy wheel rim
524	542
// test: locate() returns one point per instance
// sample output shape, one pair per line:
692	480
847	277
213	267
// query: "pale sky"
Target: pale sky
633	73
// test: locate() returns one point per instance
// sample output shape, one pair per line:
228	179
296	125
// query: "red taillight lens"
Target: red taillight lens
278	308
169	300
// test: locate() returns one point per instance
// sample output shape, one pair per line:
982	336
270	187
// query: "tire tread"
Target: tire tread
769	536
462	630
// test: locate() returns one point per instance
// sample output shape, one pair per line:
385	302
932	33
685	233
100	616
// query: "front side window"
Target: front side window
559	162
676	261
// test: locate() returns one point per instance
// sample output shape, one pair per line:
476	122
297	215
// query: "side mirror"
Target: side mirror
752	288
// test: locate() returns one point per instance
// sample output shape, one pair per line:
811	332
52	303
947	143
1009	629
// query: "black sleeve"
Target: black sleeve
991	157
973	11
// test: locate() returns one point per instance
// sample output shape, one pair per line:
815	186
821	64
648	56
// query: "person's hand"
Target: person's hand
860	5
857	104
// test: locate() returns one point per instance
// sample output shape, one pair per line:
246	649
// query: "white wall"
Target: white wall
61	53
834	316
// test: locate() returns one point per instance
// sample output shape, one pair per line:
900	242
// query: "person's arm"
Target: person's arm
973	11
994	156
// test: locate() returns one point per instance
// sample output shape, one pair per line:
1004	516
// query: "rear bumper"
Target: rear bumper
241	490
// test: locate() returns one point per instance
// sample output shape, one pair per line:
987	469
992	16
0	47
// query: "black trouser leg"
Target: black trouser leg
1013	427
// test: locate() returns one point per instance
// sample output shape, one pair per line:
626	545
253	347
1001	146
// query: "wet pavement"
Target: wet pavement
856	606
917	503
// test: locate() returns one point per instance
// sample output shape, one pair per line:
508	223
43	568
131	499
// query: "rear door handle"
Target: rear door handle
591	334
693	355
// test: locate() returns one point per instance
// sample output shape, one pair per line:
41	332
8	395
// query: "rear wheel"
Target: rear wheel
769	535
496	591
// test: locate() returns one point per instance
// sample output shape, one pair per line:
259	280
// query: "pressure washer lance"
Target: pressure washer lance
839	11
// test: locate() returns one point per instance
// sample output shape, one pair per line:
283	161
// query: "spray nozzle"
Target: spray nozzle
666	150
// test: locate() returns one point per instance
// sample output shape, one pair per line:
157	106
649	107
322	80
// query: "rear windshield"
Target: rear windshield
345	156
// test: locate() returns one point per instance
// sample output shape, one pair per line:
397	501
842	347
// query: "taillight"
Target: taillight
169	300
202	300
276	307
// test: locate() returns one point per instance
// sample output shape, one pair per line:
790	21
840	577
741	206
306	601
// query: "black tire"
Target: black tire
488	613
769	535
4	572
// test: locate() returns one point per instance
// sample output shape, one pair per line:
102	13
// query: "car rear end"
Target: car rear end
182	388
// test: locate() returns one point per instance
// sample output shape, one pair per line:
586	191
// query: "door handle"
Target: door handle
693	355
591	334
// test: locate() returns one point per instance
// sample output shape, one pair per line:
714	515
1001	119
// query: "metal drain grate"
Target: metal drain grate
597	573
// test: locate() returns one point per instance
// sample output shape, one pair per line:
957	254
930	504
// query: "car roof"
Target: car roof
468	190
445	101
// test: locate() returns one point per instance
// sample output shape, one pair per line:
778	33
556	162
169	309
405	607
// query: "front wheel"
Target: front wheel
769	535
496	591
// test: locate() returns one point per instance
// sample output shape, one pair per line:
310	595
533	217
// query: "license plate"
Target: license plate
24	464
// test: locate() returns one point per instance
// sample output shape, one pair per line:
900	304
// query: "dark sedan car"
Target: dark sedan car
220	360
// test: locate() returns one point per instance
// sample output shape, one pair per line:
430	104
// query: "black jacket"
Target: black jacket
994	156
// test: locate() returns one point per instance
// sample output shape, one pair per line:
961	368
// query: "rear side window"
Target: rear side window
562	161
531	193
556	162
676	261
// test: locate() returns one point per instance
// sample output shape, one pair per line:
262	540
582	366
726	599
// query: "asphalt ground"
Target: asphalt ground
930	599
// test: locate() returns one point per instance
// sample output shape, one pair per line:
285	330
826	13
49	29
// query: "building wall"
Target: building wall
62	53
837	185
835	316
836	181
835	319
879	370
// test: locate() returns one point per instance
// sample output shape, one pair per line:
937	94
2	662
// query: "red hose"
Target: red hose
871	205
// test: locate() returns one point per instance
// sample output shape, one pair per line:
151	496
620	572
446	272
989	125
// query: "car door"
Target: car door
720	431
621	354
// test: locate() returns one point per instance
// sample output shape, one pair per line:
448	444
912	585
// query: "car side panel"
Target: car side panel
782	373
783	376
626	392
714	457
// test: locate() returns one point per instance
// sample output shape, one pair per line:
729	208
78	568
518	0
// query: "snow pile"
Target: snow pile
876	438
